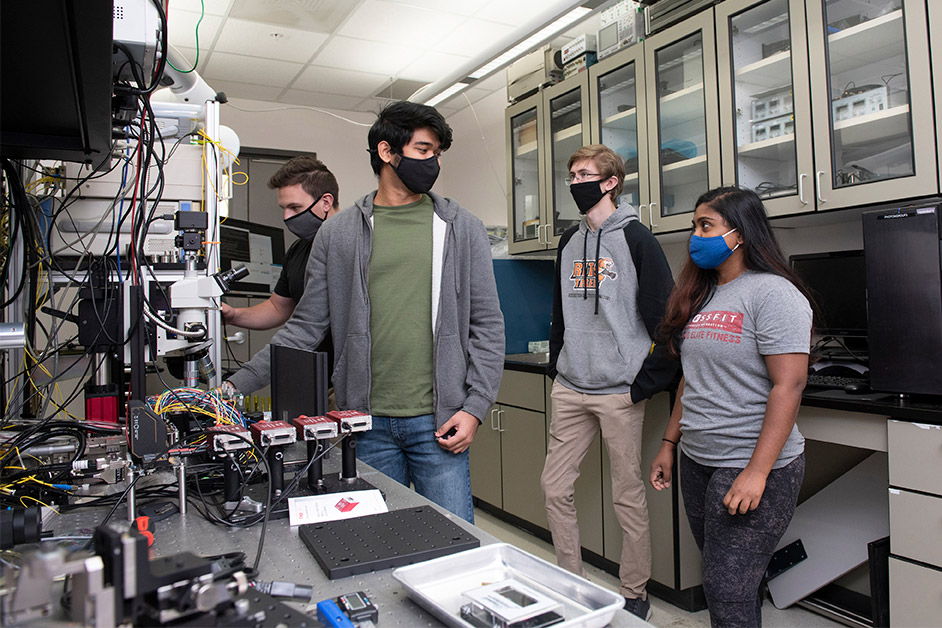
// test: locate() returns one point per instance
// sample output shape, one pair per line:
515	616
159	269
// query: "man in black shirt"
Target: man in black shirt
308	194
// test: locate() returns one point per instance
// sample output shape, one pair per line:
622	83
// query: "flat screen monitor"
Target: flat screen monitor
260	248
838	283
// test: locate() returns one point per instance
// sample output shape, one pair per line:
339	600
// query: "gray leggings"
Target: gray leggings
736	548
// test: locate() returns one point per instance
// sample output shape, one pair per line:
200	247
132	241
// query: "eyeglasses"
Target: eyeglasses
581	177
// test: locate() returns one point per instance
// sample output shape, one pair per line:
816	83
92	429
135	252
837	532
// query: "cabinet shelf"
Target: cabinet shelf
767	73
566	133
684	172
683	106
882	125
867	43
526	149
622	120
766	148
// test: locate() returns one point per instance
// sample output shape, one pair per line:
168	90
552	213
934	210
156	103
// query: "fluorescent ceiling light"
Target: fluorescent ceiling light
448	93
531	42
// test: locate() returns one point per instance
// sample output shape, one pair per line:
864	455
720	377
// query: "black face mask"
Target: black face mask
418	175
587	194
305	224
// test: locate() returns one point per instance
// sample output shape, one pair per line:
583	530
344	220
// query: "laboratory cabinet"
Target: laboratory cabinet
542	132
824	104
683	132
915	497
510	447
815	104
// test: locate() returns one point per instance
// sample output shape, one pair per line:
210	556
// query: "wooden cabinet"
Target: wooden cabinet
915	495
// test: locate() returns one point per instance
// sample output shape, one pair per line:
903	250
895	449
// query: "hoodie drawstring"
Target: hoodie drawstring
585	263
598	250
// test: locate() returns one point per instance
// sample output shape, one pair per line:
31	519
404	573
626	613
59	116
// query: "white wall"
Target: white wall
340	145
474	170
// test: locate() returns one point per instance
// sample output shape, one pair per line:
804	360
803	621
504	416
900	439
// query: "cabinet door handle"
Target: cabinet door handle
500	420
546	236
539	234
641	212
651	214
817	181
801	188
493	412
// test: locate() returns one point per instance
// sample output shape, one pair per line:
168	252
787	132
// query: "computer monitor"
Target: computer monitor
260	248
838	284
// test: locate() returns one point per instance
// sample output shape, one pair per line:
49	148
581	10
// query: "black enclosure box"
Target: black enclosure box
904	299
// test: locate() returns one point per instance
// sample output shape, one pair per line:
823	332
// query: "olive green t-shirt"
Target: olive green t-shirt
401	309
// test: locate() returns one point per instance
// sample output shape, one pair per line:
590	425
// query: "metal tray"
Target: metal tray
438	584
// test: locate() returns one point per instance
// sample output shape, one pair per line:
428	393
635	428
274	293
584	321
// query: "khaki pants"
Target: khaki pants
577	418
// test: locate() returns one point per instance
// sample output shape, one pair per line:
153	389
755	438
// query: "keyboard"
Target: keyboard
833	381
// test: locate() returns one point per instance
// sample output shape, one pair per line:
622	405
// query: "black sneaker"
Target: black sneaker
639	608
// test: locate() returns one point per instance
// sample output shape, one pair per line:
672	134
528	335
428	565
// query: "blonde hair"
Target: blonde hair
607	161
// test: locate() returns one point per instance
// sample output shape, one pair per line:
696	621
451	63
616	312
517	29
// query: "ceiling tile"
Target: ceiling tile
511	13
181	29
472	37
235	89
211	7
230	67
258	40
366	56
319	99
372	105
460	7
431	66
392	22
190	55
322	16
343	82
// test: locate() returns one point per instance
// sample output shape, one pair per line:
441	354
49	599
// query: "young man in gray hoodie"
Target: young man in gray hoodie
611	289
412	306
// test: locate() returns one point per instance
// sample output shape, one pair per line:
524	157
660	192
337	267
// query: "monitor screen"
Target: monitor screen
838	283
260	248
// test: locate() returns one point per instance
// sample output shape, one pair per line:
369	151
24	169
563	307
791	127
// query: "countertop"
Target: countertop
529	362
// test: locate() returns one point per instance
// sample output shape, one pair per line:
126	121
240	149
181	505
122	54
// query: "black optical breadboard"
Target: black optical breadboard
391	539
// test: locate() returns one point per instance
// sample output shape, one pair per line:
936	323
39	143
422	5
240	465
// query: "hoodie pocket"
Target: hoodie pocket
451	370
351	376
591	359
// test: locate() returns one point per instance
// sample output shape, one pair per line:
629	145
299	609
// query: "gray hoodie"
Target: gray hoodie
468	326
611	290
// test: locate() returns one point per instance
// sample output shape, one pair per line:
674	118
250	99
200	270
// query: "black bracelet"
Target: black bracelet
672	442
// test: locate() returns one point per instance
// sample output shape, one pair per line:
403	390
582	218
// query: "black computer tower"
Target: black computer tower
904	299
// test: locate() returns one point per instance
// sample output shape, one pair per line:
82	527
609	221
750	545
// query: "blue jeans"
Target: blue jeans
405	449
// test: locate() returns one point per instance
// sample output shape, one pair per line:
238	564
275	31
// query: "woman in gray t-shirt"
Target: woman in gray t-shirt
741	326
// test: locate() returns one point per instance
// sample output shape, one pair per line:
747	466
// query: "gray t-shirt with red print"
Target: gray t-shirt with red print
726	382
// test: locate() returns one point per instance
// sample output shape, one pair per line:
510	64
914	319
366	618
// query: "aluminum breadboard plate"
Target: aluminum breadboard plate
390	539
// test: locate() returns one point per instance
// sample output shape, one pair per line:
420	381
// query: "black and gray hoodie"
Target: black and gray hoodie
609	297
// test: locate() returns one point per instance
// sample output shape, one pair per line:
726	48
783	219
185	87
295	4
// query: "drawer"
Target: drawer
523	390
916	526
915	594
915	451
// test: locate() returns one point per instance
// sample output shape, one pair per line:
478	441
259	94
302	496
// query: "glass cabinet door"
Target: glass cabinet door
524	126
876	74
618	120
684	152
567	129
765	112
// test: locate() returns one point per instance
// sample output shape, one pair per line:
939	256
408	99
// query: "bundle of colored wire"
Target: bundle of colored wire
206	402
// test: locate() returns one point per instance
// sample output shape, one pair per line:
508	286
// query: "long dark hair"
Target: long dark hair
742	210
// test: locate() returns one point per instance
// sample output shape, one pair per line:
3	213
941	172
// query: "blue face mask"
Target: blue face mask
708	253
